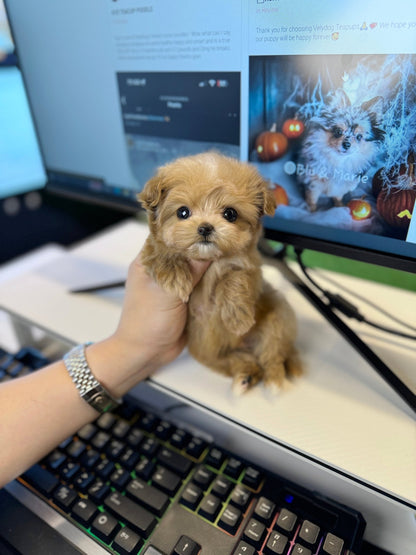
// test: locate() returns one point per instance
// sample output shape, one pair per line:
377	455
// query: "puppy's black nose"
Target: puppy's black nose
205	229
346	144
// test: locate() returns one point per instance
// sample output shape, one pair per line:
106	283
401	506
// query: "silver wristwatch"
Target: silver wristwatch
89	388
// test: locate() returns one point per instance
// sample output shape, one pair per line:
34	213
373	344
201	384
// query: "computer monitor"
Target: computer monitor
21	167
320	96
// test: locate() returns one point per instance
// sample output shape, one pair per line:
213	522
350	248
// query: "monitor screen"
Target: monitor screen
21	168
321	97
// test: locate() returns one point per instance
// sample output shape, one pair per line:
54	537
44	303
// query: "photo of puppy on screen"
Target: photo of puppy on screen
209	207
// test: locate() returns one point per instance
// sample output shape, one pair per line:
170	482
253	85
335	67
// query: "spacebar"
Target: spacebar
131	513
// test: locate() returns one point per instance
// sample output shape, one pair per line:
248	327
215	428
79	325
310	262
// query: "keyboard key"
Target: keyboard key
31	357
55	459
87	432
174	461
186	546
164	430
286	520
132	514
210	507
83	481
191	496
240	497
332	545
134	437
215	458
129	459
254	532
106	421
233	468
41	479
149	422
90	458
244	548
196	447
100	440
114	449
276	544
166	480
301	550
151	550
84	511
179	438
98	491
69	470
105	526
127	542
309	532
221	487
119	478
76	449
64	497
144	468
252	477
230	519
148	496
203	477
120	429
149	447
105	468
264	509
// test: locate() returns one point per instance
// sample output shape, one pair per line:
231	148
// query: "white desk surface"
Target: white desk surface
341	412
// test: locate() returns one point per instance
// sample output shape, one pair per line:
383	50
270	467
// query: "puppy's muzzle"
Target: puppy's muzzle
205	230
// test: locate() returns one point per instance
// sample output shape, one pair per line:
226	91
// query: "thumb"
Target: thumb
198	269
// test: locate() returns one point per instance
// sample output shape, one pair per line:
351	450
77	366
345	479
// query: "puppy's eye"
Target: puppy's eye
183	213
337	132
359	137
230	214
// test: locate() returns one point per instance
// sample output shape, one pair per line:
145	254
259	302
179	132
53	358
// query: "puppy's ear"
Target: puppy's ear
152	193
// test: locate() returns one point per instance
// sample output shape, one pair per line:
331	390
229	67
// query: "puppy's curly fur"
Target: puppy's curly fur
208	207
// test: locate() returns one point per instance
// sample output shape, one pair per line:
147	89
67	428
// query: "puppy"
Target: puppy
208	207
340	145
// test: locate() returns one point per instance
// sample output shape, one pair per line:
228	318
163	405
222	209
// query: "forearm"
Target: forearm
43	409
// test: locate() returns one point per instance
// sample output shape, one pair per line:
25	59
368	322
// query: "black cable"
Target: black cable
338	302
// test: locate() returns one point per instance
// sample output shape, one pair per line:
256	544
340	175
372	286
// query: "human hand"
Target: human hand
150	333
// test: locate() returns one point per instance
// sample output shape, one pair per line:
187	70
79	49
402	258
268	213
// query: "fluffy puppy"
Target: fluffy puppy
341	143
208	207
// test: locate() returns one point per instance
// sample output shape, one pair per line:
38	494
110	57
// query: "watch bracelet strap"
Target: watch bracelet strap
89	387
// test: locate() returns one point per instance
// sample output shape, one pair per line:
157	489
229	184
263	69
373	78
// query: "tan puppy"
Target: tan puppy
209	207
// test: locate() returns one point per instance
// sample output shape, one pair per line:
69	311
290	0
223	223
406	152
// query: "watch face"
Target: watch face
100	399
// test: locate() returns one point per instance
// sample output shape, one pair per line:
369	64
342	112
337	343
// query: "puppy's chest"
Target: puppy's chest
202	301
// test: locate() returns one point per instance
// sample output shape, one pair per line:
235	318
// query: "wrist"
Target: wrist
89	388
116	366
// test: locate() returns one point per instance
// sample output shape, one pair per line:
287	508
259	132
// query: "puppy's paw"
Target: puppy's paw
293	365
276	386
241	384
245	380
176	278
274	378
173	274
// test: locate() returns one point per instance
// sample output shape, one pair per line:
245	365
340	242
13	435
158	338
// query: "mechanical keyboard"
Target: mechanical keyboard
137	483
